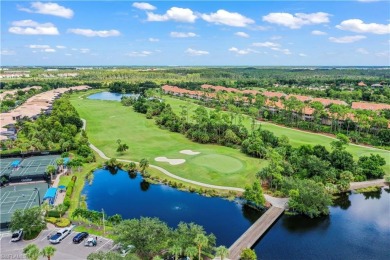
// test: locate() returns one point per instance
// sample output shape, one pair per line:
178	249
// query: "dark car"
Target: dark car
80	237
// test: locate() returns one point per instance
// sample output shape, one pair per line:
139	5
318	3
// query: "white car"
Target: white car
17	235
60	235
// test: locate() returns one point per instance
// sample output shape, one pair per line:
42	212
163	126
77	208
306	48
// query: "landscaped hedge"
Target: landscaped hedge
69	191
58	222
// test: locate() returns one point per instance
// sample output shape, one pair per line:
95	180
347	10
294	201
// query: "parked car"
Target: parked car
60	235
90	242
17	235
80	237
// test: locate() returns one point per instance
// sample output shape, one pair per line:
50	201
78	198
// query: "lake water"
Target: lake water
108	96
357	228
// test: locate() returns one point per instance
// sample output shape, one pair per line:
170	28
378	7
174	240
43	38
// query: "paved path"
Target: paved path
280	202
259	228
365	184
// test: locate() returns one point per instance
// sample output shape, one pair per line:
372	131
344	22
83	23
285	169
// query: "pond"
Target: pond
109	96
358	227
134	198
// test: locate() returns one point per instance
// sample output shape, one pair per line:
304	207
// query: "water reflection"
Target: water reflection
342	201
372	194
144	185
250	214
132	175
301	224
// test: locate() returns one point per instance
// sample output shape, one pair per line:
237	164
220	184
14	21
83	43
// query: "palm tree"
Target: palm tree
201	241
191	252
31	251
132	167
50	169
60	163
176	251
144	164
222	251
48	251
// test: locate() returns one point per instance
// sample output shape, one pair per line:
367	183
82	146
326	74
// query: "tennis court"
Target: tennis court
30	168
6	165
22	196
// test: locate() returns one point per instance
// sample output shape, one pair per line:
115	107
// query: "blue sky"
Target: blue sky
264	33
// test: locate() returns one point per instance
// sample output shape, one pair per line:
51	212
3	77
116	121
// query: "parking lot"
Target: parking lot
65	250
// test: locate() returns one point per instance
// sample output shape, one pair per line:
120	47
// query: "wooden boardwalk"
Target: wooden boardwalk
249	238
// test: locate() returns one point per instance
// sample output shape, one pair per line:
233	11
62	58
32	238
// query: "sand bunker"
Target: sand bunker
170	161
189	152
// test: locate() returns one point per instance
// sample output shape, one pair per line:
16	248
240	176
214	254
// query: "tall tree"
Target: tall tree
201	241
31	251
48	252
144	164
222	252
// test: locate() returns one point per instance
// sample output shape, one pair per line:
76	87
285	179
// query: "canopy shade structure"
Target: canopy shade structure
15	163
66	160
62	187
51	195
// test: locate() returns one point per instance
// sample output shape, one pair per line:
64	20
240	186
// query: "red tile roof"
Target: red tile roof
369	106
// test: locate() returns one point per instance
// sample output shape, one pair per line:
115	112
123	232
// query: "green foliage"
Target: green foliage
59	222
222	252
30	220
48	251
248	254
148	235
254	195
371	166
31	251
307	197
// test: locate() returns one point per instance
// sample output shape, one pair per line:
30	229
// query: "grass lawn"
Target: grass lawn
108	121
296	137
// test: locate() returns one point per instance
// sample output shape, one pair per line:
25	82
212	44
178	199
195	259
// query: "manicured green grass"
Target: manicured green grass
296	137
108	121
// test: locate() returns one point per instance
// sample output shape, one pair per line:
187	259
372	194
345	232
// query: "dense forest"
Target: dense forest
341	83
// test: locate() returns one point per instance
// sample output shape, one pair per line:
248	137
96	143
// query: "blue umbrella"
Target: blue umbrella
62	187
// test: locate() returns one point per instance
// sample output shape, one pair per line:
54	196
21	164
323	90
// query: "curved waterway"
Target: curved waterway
357	228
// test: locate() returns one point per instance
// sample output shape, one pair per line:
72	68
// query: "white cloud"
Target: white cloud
153	40
60	47
242	34
144	6
243	51
7	52
227	18
30	27
302	55
266	44
358	26
347	39
362	51
182	34
193	52
297	20
176	14
37	46
316	32
284	51
48	8
84	50
49	50
385	54
92	33
139	53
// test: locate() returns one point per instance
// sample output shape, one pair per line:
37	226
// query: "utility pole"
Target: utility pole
104	228
39	196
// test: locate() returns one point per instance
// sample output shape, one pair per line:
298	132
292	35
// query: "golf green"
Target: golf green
219	163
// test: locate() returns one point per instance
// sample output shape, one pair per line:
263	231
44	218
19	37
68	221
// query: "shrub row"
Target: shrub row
69	191
58	222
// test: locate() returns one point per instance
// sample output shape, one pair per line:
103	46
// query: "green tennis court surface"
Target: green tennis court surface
5	165
30	168
21	196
